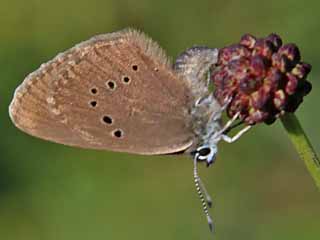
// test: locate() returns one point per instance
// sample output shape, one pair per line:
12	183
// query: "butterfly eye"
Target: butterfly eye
207	154
204	152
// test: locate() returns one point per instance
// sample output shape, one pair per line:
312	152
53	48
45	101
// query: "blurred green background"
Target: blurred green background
50	192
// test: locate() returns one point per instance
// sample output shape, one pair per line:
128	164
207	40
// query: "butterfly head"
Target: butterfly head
206	154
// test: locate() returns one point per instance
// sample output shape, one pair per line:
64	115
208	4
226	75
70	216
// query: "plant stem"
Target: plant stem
302	145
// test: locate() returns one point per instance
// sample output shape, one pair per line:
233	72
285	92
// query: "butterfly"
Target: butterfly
119	92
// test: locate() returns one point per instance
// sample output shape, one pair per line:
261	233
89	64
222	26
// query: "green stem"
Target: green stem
302	145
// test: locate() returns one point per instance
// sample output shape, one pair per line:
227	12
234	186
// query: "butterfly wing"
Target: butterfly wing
115	91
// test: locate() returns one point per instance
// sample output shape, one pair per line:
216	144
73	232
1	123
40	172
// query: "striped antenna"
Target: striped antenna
200	188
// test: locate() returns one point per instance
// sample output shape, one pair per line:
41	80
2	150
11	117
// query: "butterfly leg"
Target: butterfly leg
229	123
228	139
216	115
226	101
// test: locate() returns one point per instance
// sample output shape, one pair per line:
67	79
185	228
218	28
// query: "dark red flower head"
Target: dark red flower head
264	78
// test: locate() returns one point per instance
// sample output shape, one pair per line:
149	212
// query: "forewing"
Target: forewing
115	91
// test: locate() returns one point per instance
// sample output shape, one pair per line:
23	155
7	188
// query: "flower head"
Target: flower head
263	78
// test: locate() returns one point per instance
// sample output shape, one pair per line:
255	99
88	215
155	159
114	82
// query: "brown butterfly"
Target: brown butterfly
119	92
